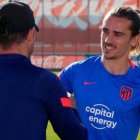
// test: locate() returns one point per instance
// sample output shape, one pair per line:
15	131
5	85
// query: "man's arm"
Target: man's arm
63	117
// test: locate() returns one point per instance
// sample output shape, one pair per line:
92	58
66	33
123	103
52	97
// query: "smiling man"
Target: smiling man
107	87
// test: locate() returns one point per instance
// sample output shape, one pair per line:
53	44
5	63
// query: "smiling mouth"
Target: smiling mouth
109	47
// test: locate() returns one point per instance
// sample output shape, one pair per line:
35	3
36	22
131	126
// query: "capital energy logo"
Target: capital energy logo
100	116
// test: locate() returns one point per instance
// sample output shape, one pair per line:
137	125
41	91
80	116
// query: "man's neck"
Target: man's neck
15	49
116	66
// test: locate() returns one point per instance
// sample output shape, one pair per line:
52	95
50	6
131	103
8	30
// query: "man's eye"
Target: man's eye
118	35
105	31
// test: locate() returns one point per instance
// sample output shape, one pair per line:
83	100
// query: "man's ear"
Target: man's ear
135	42
30	37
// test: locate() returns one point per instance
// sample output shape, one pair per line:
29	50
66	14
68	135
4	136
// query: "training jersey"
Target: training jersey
29	97
109	104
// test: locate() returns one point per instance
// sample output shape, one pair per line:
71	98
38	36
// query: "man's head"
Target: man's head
130	14
16	20
120	31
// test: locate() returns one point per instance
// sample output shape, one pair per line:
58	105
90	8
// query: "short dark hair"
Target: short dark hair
130	14
6	40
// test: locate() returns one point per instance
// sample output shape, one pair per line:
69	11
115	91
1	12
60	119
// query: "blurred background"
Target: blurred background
69	29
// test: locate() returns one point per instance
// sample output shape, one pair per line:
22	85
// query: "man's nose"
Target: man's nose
109	38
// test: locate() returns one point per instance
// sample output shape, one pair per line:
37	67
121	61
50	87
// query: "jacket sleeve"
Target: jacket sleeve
64	119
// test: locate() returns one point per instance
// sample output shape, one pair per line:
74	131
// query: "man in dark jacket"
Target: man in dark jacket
29	95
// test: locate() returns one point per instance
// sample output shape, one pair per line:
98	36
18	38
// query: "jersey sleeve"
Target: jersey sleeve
66	77
64	119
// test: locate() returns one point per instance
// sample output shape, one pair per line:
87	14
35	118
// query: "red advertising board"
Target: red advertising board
54	62
72	26
68	28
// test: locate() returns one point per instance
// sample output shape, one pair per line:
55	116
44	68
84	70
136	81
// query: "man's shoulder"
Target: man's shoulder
86	62
42	73
84	66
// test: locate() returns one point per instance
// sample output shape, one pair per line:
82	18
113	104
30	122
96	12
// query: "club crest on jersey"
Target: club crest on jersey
126	93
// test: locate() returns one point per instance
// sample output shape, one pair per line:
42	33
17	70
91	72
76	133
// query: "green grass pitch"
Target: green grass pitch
50	135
